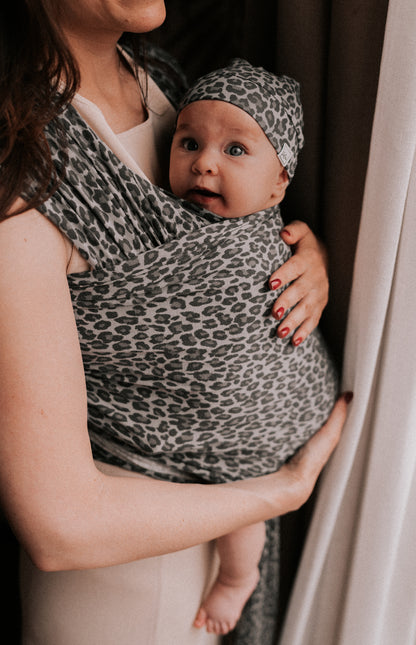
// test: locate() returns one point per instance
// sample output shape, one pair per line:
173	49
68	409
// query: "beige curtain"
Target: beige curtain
357	580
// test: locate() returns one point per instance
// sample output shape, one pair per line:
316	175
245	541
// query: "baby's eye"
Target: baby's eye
235	150
190	145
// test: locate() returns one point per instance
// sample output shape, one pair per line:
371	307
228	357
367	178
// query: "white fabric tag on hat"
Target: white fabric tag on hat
285	155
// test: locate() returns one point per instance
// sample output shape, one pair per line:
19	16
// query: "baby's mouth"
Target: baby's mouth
206	198
202	193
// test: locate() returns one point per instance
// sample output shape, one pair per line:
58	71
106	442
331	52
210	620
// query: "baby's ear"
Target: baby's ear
280	186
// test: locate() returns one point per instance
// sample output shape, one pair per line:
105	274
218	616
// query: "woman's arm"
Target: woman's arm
66	513
306	273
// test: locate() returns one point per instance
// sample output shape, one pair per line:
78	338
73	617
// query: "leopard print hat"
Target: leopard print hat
273	101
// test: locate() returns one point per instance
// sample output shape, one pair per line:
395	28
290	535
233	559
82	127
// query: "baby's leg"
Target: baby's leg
238	576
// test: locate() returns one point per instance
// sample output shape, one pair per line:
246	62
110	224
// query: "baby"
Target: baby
234	152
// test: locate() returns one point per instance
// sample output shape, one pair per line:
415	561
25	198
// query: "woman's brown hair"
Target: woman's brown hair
33	61
38	78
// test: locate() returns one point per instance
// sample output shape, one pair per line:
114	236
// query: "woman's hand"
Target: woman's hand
306	272
307	464
290	487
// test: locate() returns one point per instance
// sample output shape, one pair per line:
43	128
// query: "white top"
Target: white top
145	147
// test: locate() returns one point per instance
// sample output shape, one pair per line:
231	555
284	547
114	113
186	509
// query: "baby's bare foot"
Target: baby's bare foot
222	608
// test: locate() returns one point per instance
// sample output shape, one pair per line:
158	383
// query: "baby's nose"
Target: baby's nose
205	163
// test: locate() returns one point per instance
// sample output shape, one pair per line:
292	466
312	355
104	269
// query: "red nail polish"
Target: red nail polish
279	313
283	332
348	397
297	341
275	284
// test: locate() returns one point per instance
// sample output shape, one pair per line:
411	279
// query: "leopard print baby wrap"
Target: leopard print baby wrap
186	379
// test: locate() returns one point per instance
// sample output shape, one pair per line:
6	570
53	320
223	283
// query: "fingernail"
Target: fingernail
348	396
275	284
297	341
279	313
284	230
283	332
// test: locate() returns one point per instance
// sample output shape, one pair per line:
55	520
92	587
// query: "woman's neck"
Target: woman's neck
106	81
97	59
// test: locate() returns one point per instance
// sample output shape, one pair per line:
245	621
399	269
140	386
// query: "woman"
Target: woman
97	534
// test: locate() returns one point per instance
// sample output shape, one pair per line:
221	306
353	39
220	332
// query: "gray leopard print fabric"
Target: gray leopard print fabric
185	373
273	101
186	379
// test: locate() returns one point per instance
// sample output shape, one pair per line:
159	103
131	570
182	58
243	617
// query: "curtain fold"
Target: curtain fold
356	582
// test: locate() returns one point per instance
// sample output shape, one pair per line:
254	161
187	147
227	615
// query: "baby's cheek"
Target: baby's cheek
239	203
174	181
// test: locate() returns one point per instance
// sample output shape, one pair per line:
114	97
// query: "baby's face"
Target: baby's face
221	159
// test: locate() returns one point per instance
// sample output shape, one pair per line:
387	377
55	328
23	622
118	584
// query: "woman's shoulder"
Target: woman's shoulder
30	234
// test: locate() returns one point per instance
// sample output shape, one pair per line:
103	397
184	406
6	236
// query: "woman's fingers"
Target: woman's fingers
287	489
297	264
306	274
302	319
